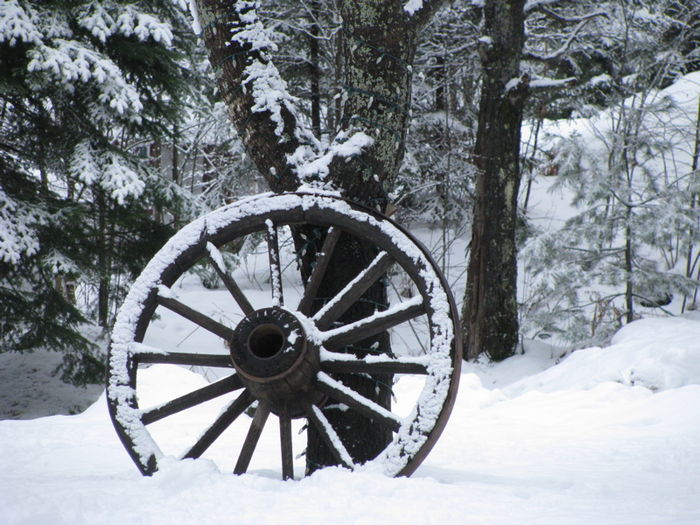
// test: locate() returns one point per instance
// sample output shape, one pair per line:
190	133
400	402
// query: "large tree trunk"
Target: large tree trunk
379	38
490	322
377	84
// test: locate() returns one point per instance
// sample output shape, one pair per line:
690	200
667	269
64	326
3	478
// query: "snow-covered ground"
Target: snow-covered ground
604	435
598	436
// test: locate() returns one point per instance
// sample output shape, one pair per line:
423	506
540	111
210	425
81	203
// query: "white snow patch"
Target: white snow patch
413	6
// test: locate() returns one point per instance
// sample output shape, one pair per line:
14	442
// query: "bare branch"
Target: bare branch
564	48
571	19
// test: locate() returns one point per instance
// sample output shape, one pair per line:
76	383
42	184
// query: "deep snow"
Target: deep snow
606	435
599	436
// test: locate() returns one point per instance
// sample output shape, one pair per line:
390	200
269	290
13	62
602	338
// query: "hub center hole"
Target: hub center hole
266	341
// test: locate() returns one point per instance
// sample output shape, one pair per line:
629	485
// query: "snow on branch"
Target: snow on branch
103	22
532	5
525	82
412	6
196	25
18	229
422	11
69	62
312	165
552	83
107	170
571	19
16	24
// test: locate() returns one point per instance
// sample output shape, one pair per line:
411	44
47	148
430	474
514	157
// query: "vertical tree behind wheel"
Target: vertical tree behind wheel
378	45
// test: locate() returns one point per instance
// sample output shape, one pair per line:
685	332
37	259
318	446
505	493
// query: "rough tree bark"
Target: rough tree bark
380	38
490	317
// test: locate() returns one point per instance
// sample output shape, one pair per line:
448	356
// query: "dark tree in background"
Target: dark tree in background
490	316
511	73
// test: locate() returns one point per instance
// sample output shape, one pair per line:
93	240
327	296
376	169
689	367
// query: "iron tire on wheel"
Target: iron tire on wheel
289	377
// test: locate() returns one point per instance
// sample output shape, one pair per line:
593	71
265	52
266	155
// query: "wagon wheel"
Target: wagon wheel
280	359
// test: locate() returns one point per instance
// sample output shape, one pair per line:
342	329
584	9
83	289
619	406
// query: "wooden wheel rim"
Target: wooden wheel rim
414	435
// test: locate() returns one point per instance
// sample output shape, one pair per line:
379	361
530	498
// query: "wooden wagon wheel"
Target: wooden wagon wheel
280	359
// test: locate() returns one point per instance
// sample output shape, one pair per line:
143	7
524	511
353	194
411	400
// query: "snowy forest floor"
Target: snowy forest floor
607	435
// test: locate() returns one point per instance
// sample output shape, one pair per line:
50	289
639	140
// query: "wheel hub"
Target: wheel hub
275	359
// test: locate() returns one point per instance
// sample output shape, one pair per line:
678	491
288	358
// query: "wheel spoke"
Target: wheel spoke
180	358
357	402
352	291
251	440
329	436
196	317
273	251
286	446
322	260
369	326
231	285
332	362
196	397
224	420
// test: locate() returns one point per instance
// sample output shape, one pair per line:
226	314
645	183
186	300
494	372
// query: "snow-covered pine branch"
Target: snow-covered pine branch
16	24
18	229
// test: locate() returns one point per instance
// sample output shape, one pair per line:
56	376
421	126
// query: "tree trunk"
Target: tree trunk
102	262
490	317
379	39
314	68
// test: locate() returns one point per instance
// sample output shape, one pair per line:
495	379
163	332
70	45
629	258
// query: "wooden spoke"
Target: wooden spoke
353	291
322	260
329	436
196	397
231	285
196	317
286	446
180	358
251	440
364	328
355	401
347	364
273	251
224	420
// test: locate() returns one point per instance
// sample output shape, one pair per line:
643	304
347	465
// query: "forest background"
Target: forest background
114	136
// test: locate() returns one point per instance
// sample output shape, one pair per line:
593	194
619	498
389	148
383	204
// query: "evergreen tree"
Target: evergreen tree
85	87
630	169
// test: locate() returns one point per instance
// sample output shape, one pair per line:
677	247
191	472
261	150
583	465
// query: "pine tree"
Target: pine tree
630	170
84	88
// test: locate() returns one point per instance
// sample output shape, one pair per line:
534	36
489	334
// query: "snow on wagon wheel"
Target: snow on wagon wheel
272	353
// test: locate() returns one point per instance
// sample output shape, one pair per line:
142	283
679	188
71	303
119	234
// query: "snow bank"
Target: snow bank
658	354
574	442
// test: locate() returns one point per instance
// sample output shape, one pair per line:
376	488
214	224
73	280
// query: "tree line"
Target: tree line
115	132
